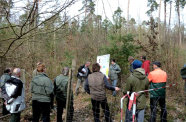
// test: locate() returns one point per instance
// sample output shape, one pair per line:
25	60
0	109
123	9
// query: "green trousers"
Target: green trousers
15	117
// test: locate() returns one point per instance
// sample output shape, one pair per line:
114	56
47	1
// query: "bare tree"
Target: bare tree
32	18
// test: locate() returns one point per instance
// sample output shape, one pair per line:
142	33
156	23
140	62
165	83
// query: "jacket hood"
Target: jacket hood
139	73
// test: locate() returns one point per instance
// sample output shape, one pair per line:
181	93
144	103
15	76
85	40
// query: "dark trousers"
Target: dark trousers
153	107
39	108
15	117
4	110
139	115
60	106
96	110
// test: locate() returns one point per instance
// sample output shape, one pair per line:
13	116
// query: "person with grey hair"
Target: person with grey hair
14	95
82	75
60	92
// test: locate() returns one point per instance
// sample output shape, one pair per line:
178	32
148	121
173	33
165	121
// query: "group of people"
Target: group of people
43	91
141	79
95	83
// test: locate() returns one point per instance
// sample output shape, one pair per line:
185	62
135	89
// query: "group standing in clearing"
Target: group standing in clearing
95	83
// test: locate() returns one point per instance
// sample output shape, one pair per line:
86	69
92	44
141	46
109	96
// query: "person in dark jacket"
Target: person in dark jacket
96	85
42	92
6	76
14	95
183	75
114	70
158	79
145	65
82	75
60	91
137	81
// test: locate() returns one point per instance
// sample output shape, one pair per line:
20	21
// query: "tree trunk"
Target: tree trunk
179	28
128	15
165	19
128	10
170	13
159	20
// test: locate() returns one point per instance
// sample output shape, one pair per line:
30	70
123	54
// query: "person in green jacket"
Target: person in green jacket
114	70
5	77
42	91
183	75
137	81
60	91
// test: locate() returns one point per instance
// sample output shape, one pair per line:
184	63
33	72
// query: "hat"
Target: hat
157	63
183	72
136	64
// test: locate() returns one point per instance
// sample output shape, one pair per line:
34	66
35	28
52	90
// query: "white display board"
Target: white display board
104	61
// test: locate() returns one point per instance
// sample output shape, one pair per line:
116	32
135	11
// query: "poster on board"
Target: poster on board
104	61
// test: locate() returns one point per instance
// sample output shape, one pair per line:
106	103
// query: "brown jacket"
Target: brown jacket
97	86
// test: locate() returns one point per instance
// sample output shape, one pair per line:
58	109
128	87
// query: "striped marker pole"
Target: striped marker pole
134	108
122	99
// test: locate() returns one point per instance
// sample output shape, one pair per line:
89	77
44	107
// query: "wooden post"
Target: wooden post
73	68
69	93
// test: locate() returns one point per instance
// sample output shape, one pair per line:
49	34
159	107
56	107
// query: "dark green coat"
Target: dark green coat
41	88
60	87
4	78
138	81
183	72
159	92
183	75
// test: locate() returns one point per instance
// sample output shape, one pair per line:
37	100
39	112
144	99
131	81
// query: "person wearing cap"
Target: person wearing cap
183	75
96	85
114	70
157	79
145	65
42	91
133	61
6	76
137	81
60	91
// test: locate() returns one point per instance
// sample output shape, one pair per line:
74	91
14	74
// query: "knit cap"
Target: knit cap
137	64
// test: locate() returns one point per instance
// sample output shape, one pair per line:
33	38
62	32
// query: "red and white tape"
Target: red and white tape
132	100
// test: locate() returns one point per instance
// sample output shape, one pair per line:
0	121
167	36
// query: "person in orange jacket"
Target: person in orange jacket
157	79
